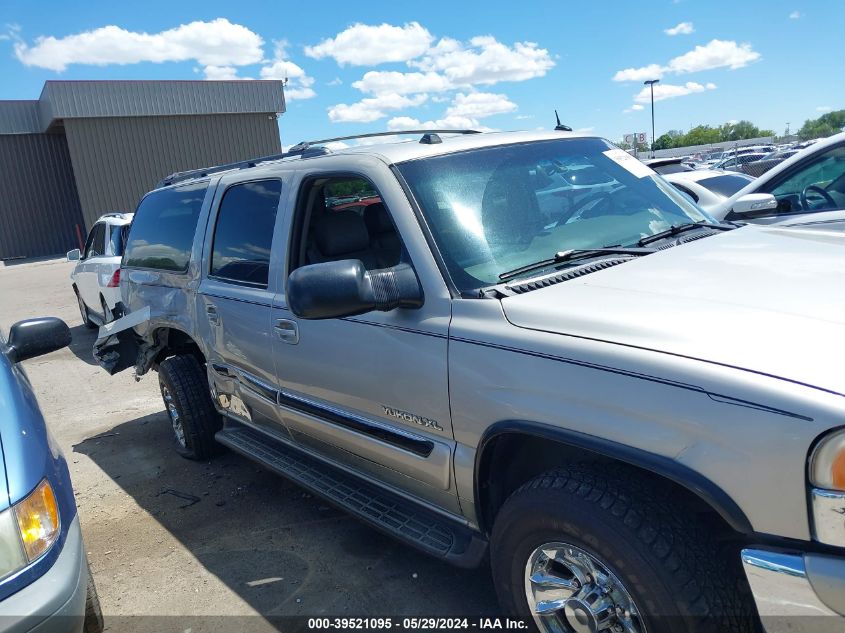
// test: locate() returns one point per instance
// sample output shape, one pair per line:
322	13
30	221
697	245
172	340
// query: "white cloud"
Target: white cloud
824	109
215	43
453	65
478	105
524	117
795	15
449	66
484	60
634	108
373	109
652	71
220	73
337	81
446	123
363	44
684	28
464	113
670	91
299	83
714	54
392	82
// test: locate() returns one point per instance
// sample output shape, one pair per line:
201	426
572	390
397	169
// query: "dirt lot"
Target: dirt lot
170	537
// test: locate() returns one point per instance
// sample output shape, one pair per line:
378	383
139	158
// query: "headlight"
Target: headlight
38	520
827	464
28	529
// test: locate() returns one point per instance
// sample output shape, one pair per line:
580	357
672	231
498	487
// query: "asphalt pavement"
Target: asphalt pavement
224	545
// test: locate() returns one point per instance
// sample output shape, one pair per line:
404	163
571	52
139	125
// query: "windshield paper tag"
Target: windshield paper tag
633	165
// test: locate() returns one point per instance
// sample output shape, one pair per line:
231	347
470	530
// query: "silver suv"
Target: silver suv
525	346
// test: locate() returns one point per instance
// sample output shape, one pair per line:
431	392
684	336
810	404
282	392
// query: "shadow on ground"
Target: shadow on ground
82	343
281	550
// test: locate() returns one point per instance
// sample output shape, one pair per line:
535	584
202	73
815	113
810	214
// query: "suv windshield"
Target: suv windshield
495	209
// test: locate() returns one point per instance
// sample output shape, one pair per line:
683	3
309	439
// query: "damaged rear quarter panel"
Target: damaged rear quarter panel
170	298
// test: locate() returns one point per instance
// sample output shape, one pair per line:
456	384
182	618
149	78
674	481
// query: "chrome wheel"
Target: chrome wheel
571	591
173	412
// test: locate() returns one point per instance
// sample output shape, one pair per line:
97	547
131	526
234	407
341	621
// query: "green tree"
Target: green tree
701	135
664	142
826	125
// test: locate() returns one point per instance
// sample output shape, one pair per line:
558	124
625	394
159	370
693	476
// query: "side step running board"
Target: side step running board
403	519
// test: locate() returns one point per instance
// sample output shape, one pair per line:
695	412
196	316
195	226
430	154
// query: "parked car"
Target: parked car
708	187
95	278
45	581
807	189
735	162
478	375
760	167
669	165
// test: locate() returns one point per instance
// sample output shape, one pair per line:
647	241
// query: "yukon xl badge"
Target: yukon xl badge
410	417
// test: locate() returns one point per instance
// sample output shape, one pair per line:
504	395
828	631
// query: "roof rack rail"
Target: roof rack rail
304	149
306	144
180	176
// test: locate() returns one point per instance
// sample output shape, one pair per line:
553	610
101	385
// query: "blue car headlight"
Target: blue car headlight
28	529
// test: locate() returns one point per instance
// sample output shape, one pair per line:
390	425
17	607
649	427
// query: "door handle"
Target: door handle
213	317
287	330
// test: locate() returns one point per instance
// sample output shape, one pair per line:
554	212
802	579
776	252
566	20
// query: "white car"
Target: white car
96	276
807	189
708	187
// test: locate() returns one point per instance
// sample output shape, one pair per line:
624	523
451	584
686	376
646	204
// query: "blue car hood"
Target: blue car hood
29	452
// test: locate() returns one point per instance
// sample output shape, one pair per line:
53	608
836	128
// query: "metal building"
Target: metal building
88	147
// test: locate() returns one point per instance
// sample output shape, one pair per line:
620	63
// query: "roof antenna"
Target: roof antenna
560	127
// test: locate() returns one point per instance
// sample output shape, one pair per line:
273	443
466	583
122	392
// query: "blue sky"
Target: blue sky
372	66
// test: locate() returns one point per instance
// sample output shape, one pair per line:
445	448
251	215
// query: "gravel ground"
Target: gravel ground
168	537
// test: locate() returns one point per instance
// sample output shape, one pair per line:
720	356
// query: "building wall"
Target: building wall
39	206
116	160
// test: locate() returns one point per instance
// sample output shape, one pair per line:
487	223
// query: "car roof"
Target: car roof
389	152
116	217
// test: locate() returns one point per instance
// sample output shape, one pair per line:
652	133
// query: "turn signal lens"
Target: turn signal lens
837	471
38	520
827	464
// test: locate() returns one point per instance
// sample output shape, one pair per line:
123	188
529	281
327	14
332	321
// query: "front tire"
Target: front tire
187	401
93	622
598	547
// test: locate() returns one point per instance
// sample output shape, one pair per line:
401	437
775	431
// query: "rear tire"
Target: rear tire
93	622
187	401
83	311
635	550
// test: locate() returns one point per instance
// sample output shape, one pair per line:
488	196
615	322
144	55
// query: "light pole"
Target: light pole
651	83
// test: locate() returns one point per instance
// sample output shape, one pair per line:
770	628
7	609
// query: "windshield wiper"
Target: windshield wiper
573	254
683	228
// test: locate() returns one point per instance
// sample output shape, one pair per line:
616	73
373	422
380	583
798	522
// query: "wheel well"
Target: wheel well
176	343
526	456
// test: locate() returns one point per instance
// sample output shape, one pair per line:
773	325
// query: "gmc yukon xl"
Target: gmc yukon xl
521	347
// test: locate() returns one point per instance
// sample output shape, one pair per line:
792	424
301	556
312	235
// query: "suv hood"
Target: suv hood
762	299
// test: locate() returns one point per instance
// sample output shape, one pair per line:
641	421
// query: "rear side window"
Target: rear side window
726	185
96	244
163	229
117	237
244	232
